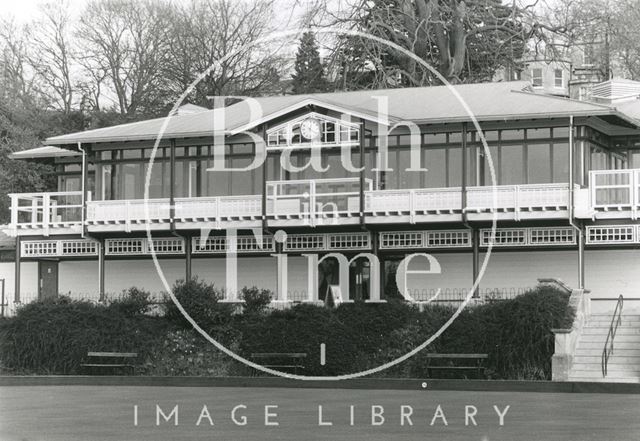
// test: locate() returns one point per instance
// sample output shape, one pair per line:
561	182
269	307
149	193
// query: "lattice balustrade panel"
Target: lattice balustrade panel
448	239
250	244
504	237
611	234
350	241
166	245
552	236
211	245
244	244
305	242
123	247
80	247
401	239
39	248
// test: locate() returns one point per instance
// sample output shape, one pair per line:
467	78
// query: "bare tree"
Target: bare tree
465	40
223	33
128	39
50	55
17	80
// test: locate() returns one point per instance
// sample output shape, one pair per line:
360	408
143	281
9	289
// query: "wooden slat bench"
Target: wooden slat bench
457	363
280	361
101	363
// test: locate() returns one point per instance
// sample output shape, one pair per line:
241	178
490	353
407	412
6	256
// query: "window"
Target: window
436	164
536	77
560	162
558	78
539	164
511	165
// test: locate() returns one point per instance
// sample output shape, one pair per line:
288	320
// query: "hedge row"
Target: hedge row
54	337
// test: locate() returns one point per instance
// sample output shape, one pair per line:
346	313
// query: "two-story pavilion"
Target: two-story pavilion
566	201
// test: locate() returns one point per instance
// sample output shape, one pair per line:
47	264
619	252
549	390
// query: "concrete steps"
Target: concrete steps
624	363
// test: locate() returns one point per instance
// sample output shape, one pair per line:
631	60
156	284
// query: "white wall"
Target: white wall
608	273
28	279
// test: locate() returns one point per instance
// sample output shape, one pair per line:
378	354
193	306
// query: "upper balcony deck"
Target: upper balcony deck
613	194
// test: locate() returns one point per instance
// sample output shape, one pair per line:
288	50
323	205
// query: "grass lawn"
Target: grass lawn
87	413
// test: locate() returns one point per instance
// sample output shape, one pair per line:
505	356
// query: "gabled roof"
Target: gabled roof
487	101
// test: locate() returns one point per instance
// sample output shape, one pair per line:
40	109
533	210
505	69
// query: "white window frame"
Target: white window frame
533	78
556	78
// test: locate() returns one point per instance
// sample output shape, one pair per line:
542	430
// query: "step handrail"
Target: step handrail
608	344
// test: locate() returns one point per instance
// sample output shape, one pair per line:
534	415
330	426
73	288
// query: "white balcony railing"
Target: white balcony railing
315	198
46	210
306	200
615	190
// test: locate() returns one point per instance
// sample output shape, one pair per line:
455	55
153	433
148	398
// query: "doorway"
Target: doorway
47	279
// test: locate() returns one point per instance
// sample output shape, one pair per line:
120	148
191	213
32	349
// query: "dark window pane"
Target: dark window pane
539	163
455	166
538	133
560	162
455	138
240	149
511	165
435	162
599	159
106	155
408	179
131	154
70	168
512	135
435	138
495	161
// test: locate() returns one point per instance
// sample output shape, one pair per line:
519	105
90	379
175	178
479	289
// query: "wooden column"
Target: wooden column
581	271
172	184
16	292
264	183
465	167
85	186
362	173
476	258
101	265
187	252
375	245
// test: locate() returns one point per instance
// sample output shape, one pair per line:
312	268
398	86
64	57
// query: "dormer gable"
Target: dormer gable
313	129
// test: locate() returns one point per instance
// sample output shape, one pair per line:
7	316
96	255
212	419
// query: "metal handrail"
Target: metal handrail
608	344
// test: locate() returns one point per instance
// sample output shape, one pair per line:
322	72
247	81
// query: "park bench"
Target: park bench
101	363
464	365
280	361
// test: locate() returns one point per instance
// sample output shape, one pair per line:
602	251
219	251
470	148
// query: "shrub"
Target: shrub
201	301
186	353
516	334
352	332
134	302
54	336
255	300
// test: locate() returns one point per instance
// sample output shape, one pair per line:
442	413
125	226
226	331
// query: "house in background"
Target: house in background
548	77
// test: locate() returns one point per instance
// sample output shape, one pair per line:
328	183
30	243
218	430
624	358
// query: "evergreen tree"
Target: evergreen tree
309	72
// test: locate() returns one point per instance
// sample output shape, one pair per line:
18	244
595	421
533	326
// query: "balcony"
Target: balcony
614	193
42	213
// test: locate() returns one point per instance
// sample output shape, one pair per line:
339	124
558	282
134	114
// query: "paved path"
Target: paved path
91	413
